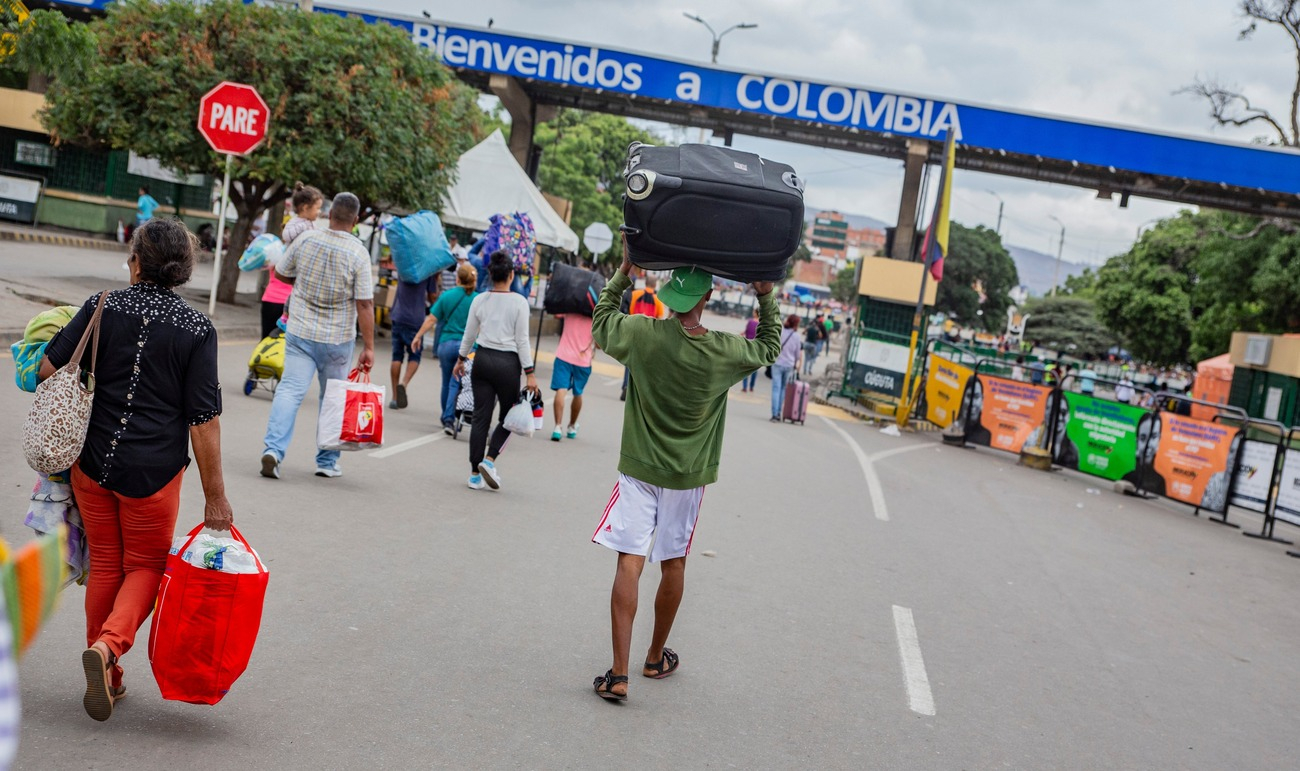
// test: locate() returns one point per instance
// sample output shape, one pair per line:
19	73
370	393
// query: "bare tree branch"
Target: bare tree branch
1285	14
1286	226
1232	108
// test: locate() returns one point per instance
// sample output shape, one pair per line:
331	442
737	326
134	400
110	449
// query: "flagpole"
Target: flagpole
902	413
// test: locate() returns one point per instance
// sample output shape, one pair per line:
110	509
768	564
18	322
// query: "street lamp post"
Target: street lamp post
717	37
1001	203
1060	247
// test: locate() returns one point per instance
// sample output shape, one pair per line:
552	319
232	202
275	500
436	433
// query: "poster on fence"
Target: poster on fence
1004	414
943	390
1190	460
1097	436
1287	508
1254	477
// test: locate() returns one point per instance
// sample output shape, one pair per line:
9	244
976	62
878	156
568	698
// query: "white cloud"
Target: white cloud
1105	60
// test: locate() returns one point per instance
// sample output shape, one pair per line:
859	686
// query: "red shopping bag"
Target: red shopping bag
204	626
351	414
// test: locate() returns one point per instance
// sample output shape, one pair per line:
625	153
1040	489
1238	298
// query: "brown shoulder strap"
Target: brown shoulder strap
92	329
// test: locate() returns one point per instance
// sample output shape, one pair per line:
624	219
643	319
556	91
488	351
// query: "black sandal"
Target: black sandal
605	683
666	666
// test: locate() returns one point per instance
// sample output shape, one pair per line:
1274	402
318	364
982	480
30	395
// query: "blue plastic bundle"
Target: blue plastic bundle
266	249
513	233
419	246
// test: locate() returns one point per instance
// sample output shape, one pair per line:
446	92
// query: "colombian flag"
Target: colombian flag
935	247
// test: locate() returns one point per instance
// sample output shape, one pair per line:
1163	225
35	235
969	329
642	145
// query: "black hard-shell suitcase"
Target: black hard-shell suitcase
731	213
572	290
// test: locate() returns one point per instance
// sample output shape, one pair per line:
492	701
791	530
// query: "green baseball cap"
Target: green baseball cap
685	289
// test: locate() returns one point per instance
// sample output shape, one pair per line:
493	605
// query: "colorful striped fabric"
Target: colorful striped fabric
32	576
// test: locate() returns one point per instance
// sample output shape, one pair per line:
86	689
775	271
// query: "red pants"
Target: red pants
128	540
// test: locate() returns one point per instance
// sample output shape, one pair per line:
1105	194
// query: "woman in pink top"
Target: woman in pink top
306	203
572	369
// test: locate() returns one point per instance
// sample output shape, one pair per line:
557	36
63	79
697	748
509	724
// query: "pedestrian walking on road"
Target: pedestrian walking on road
410	310
751	331
787	362
448	317
672	443
145	206
572	369
814	339
333	294
498	325
641	302
156	395
307	202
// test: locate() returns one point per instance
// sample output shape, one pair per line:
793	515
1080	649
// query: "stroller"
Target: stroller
266	365
464	412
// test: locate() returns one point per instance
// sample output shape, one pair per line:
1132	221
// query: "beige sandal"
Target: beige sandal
99	697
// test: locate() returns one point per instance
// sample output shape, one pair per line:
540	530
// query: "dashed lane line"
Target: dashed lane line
919	696
386	452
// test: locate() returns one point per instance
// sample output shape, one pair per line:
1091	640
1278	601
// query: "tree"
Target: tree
354	106
1229	106
979	275
1194	279
1067	324
42	45
583	156
845	286
1080	285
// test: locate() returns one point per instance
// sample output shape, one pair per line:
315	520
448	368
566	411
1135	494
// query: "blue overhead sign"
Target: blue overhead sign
828	104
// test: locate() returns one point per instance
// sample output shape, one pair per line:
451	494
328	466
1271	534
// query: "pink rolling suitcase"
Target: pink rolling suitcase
795	406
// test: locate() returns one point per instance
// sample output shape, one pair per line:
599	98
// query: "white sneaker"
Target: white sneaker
329	472
270	465
476	482
489	471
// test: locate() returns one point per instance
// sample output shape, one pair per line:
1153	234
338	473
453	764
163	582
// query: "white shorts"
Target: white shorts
648	520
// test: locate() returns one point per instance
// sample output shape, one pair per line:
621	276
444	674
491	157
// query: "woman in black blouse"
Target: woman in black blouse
156	393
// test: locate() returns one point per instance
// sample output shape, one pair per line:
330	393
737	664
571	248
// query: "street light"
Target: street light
1001	203
717	38
1060	247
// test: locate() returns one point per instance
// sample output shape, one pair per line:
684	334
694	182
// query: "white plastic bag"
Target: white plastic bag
351	414
519	419
225	555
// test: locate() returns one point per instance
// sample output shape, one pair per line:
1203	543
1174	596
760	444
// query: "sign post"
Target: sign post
233	119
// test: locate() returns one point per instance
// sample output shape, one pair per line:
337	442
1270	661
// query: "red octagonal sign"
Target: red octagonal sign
233	118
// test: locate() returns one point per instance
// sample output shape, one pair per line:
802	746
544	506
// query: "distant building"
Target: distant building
829	235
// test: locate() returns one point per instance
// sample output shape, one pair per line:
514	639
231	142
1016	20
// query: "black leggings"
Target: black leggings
496	382
271	313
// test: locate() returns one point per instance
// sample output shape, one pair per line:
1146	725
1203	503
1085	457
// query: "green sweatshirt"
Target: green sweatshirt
677	401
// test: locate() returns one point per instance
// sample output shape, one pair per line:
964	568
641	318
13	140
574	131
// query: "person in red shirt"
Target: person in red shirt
642	302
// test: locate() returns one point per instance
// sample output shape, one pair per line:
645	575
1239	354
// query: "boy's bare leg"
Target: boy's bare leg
667	600
622	609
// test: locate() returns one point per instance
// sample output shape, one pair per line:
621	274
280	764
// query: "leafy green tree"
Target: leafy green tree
583	156
978	275
1194	279
354	106
844	287
1080	285
1067	324
42	46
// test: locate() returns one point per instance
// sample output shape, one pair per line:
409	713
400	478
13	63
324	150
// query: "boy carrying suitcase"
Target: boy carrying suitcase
672	442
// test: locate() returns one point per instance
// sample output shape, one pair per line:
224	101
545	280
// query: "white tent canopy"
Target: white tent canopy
490	181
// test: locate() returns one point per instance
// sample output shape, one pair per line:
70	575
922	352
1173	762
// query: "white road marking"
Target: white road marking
404	446
610	381
919	696
867	463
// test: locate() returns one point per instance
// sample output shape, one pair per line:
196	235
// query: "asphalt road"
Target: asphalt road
414	623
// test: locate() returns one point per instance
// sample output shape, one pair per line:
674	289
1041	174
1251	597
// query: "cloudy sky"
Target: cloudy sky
1117	61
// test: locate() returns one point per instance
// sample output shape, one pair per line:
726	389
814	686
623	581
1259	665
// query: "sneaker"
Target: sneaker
476	482
448	428
489	471
270	465
329	472
556	435
573	431
392	404
401	397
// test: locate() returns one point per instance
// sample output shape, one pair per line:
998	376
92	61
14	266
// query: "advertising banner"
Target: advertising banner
878	367
1288	489
1004	413
1254	475
1097	436
18	198
1190	460
943	390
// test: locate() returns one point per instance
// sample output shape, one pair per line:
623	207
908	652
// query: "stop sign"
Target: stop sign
233	118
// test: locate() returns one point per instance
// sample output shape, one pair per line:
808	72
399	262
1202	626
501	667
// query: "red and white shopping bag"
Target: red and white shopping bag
351	414
206	619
